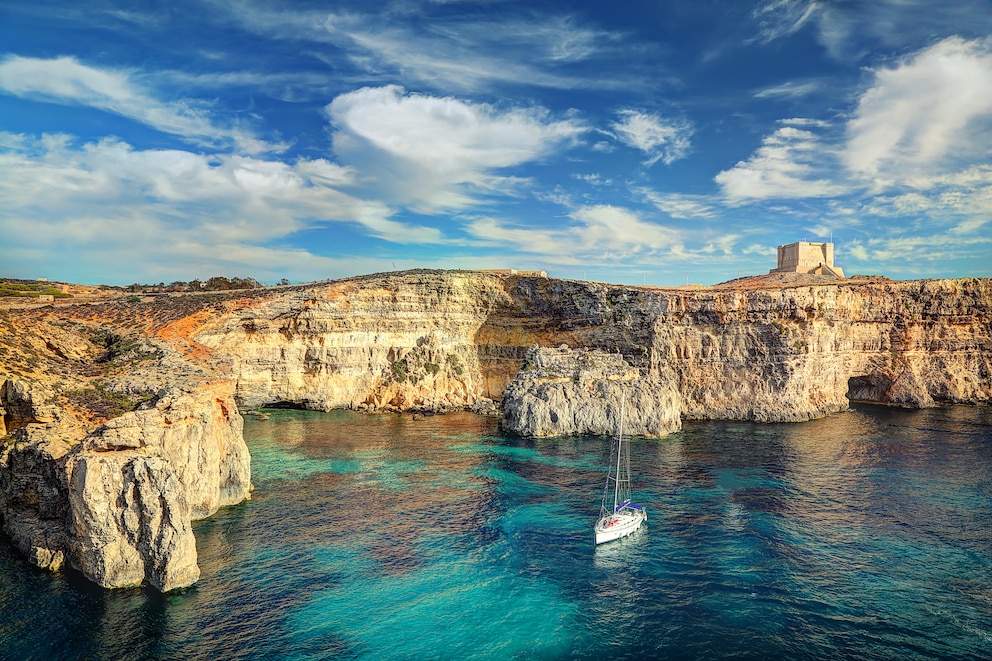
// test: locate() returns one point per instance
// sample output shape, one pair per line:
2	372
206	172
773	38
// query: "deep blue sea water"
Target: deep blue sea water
865	535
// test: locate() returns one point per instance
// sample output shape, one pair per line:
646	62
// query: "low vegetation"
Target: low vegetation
30	288
218	283
102	402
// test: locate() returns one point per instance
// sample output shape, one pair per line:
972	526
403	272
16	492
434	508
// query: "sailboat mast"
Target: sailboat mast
616	490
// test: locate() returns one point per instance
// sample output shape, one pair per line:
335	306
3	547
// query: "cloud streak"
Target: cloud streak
921	112
915	144
66	81
791	163
466	51
110	201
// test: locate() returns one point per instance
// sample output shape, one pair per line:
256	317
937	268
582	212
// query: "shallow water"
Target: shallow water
865	535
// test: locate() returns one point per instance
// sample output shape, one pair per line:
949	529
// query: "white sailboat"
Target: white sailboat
618	516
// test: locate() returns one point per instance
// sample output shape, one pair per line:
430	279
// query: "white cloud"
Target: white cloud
621	229
791	163
915	253
922	114
915	147
121	209
661	139
599	234
595	179
781	18
440	153
66	81
464	51
791	89
851	30
525	239
680	205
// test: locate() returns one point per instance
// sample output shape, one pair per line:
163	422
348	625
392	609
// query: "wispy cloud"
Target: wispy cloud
464	51
111	202
598	234
781	18
790	89
915	146
791	163
916	253
921	116
662	139
852	30
681	205
66	81
434	153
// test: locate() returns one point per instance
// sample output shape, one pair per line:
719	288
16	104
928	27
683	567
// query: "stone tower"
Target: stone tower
807	257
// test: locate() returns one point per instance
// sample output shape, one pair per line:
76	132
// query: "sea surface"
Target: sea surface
864	535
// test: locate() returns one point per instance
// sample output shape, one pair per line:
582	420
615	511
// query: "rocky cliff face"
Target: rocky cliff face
799	352
121	424
772	348
136	483
114	497
401	342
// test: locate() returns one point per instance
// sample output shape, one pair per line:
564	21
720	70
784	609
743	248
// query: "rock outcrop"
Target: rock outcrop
402	342
571	392
770	348
114	498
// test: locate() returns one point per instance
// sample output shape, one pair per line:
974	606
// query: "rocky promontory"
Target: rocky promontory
120	419
112	446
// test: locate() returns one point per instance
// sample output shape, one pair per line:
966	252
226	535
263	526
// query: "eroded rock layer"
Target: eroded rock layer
770	348
103	468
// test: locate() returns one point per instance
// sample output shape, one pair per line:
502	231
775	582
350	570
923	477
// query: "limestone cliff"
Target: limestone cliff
121	423
99	472
409	341
565	391
136	483
771	348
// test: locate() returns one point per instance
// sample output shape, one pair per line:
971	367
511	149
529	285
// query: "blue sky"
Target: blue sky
640	143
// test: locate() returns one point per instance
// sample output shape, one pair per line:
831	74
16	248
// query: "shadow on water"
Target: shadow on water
862	535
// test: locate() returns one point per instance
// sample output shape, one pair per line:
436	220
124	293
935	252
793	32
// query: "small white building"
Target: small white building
807	257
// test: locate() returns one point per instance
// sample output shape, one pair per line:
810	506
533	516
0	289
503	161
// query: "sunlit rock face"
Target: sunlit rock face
415	341
118	502
799	352
772	348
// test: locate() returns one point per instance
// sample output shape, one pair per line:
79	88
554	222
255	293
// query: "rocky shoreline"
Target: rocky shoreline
120	420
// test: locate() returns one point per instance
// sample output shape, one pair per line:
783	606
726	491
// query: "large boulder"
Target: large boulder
564	392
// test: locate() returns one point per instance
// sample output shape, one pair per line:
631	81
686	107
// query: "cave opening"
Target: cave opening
284	404
868	388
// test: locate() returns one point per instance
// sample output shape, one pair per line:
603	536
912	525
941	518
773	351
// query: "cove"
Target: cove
863	535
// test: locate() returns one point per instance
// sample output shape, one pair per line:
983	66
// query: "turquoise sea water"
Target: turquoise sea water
865	535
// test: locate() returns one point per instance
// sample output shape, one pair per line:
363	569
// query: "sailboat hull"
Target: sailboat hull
621	524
